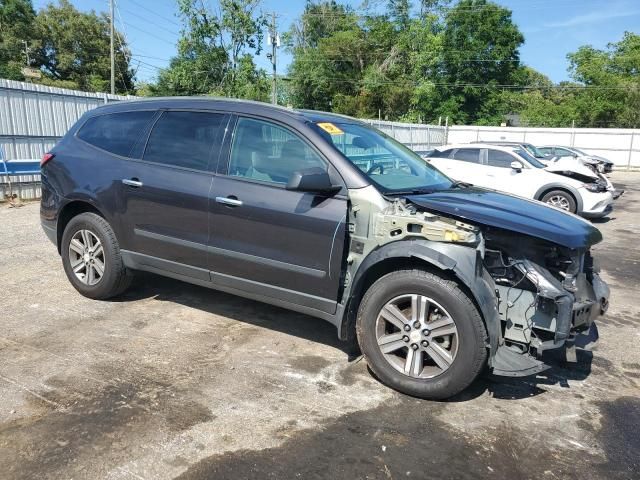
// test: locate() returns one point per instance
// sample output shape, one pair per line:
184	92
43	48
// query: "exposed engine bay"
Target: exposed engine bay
547	294
544	296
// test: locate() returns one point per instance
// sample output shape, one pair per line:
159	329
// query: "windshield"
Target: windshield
533	150
529	158
387	163
579	152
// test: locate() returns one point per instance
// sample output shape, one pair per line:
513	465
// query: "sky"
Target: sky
552	28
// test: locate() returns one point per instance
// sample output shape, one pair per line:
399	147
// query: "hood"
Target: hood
574	165
601	159
494	209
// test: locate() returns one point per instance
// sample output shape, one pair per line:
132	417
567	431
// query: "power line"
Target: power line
166	19
470	9
484	85
173	32
150	34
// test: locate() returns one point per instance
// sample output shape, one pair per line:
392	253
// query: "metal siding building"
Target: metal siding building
32	119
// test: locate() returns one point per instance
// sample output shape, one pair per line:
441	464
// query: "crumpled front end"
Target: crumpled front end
548	297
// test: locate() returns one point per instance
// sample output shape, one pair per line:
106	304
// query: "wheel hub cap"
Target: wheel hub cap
559	202
417	336
86	257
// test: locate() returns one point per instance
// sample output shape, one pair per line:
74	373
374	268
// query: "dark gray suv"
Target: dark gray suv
325	215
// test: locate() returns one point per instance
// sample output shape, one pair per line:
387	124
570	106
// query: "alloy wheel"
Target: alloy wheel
560	202
417	336
86	257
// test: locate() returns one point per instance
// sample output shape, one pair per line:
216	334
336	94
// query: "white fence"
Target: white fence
417	136
621	146
34	117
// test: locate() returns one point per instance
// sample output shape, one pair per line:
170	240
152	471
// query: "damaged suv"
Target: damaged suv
324	215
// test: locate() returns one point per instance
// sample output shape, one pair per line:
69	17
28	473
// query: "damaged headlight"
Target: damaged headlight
460	236
595	187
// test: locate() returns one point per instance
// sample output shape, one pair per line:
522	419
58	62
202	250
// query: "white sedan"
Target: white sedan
514	170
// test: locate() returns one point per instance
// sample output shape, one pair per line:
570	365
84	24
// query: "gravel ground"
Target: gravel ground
177	381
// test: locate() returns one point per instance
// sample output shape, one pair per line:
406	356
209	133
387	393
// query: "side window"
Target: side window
442	154
563	153
115	132
497	158
546	150
264	151
183	139
471	155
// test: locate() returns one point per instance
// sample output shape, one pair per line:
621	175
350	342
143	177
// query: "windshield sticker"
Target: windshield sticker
330	128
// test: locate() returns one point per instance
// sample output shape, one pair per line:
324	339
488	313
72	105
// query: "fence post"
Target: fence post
411	136
446	131
428	138
633	133
573	133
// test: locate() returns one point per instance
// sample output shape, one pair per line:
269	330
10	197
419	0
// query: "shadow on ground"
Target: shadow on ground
315	330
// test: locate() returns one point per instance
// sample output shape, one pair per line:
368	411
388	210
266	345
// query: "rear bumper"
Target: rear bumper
50	230
50	205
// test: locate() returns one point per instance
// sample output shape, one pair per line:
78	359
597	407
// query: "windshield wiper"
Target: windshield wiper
461	185
417	191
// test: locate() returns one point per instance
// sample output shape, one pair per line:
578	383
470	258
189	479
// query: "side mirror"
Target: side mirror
314	180
517	166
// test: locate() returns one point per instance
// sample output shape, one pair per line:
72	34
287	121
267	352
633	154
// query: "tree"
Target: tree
479	52
611	80
327	53
400	12
216	50
406	66
73	50
16	26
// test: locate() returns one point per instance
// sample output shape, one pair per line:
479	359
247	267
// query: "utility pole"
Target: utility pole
274	41
26	52
113	74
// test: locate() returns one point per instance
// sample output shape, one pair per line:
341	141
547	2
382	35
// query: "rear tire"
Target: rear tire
91	257
445	350
560	199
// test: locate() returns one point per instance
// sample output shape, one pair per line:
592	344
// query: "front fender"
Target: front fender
464	262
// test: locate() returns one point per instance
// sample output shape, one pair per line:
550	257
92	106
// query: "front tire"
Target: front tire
91	257
421	334
560	199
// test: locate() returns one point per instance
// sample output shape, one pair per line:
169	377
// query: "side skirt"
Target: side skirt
318	307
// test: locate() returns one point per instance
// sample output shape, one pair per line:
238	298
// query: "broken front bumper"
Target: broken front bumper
558	314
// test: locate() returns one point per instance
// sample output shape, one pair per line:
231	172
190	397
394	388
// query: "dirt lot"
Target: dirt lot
177	381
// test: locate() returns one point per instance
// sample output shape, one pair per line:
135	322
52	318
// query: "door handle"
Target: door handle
132	182
230	201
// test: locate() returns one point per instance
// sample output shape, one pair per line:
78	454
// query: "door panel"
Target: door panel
165	198
289	240
167	217
269	240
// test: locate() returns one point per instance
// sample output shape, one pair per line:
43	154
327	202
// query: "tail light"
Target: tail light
45	158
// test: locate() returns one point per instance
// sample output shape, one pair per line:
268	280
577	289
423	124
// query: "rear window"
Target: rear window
441	154
184	139
471	155
115	132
